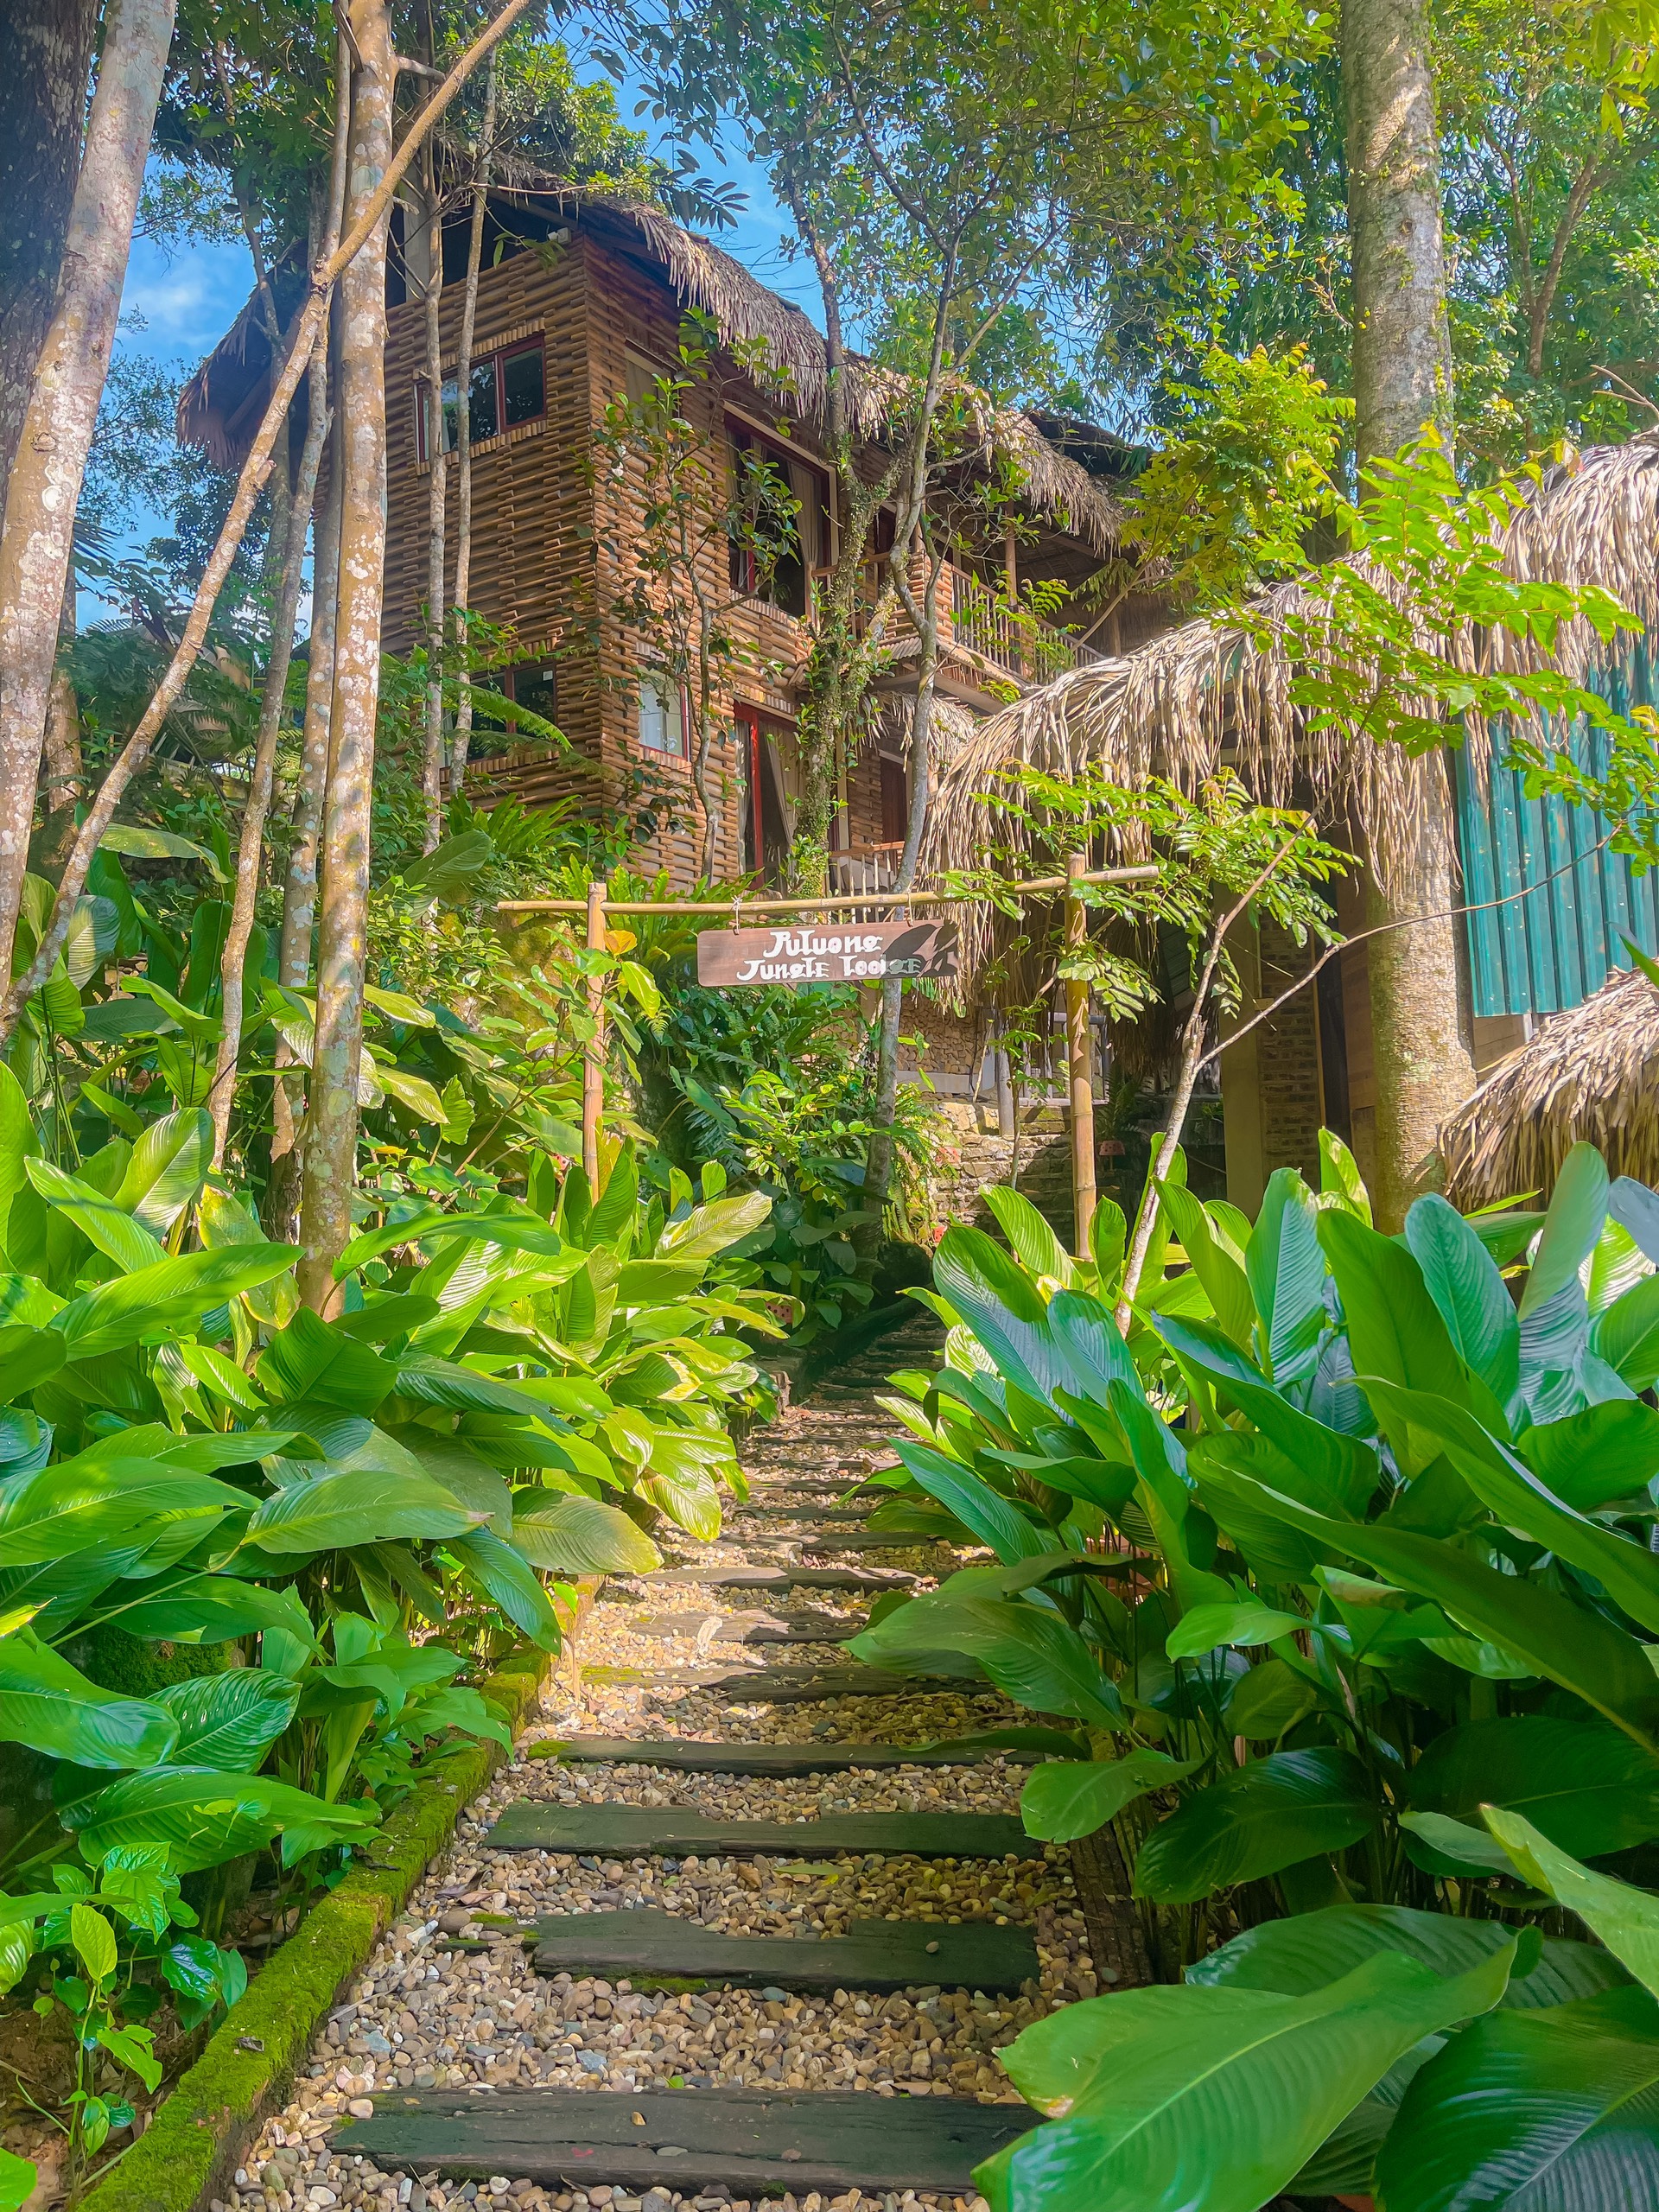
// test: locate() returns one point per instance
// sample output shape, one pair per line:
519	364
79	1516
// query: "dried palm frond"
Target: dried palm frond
1590	1074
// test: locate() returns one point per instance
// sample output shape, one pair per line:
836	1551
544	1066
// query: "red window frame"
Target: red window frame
496	361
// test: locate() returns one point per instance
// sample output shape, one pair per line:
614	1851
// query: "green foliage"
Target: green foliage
1361	1646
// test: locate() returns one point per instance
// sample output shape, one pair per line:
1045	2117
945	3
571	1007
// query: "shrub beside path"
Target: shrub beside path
446	2075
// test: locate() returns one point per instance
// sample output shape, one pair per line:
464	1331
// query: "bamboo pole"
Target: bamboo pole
1079	1057
593	1065
732	908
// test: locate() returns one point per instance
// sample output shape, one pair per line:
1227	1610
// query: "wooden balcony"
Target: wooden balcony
973	619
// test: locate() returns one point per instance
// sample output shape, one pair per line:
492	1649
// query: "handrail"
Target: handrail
735	906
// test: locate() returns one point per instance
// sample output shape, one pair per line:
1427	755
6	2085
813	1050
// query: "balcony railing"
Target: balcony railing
865	869
1021	644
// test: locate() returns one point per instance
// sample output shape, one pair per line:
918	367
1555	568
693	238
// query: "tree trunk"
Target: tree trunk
43	487
45	52
251	844
437	608
464	427
1421	1022
1402	352
64	768
360	436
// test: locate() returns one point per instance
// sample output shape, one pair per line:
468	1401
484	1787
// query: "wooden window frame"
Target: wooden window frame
655	677
495	360
744	436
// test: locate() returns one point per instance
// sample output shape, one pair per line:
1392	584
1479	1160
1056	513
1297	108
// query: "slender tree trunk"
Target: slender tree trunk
436	605
282	1206
1403	380
251	844
64	766
464	427
46	53
331	1140
878	1159
43	486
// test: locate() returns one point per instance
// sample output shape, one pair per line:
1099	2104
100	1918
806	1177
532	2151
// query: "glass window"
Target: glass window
523	396
536	687
486	422
661	724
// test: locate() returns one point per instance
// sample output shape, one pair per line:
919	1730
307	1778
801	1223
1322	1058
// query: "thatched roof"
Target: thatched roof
1591	1074
745	311
1207	691
220	409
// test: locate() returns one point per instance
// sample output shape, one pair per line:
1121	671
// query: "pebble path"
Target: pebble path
427	2013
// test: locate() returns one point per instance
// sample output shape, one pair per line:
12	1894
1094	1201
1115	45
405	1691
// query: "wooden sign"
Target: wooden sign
828	952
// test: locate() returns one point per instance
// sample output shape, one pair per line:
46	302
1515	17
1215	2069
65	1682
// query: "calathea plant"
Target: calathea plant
1338	1564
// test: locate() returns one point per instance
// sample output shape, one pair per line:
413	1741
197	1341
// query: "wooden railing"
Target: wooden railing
865	868
1023	644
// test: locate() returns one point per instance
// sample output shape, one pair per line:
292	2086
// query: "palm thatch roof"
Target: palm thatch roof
748	316
1210	692
1591	1074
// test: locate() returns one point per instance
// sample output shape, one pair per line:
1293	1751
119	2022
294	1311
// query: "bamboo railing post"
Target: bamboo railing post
1079	1057
593	1065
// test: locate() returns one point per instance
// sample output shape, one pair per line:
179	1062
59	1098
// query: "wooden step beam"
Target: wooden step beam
673	1832
691	1755
881	1955
753	2141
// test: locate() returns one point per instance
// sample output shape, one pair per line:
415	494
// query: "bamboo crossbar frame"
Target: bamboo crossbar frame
842	899
596	908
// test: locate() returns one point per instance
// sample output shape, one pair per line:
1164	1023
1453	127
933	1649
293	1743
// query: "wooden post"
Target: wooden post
593	1069
1079	1057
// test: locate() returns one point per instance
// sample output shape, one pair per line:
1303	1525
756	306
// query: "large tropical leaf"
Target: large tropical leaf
111	1227
314	1359
1625	1919
1195	2100
202	1818
1070	1797
1395	1328
1033	1655
1557	2108
1583	1783
1003	1307
173	1292
992	1520
1258	1820
167	1168
228	1721
1032	1243
51	1706
1626	1334
1469	1292
365	1505
709	1231
1564	1642
510	1582
186	1607
1225	1282
1341	1473
579	1535
1311	1949
1606	1452
1286	1272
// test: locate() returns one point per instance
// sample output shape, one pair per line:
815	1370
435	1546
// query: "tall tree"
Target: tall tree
43	485
1420	1012
45	52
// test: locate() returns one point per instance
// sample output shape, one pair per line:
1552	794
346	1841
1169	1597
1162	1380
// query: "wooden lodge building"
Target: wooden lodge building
580	303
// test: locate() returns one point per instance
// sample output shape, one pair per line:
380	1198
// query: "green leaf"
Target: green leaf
1002	1306
1310	1950
996	1524
1069	1798
228	1721
1032	1241
110	1227
1625	1920
1552	2107
1268	1701
140	843
363	1505
313	1359
204	1818
1606	1452
173	1292
94	1941
1259	1819
1582	1783
1341	1473
52	1706
413	1092
510	1583
1563	1641
1033	1655
709	1231
1340	1181
1469	1292
578	1536
1394	1326
1225	1282
1578	1208
1210	2100
17	2180
1286	1271
1205	1627
169	1167
1626	1334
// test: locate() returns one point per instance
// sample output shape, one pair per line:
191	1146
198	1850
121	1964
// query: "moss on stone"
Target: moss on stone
197	2137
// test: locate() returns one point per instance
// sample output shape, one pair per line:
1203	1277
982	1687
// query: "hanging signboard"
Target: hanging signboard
828	952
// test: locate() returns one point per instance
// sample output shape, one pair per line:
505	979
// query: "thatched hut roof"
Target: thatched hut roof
747	314
1591	1073
1209	692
